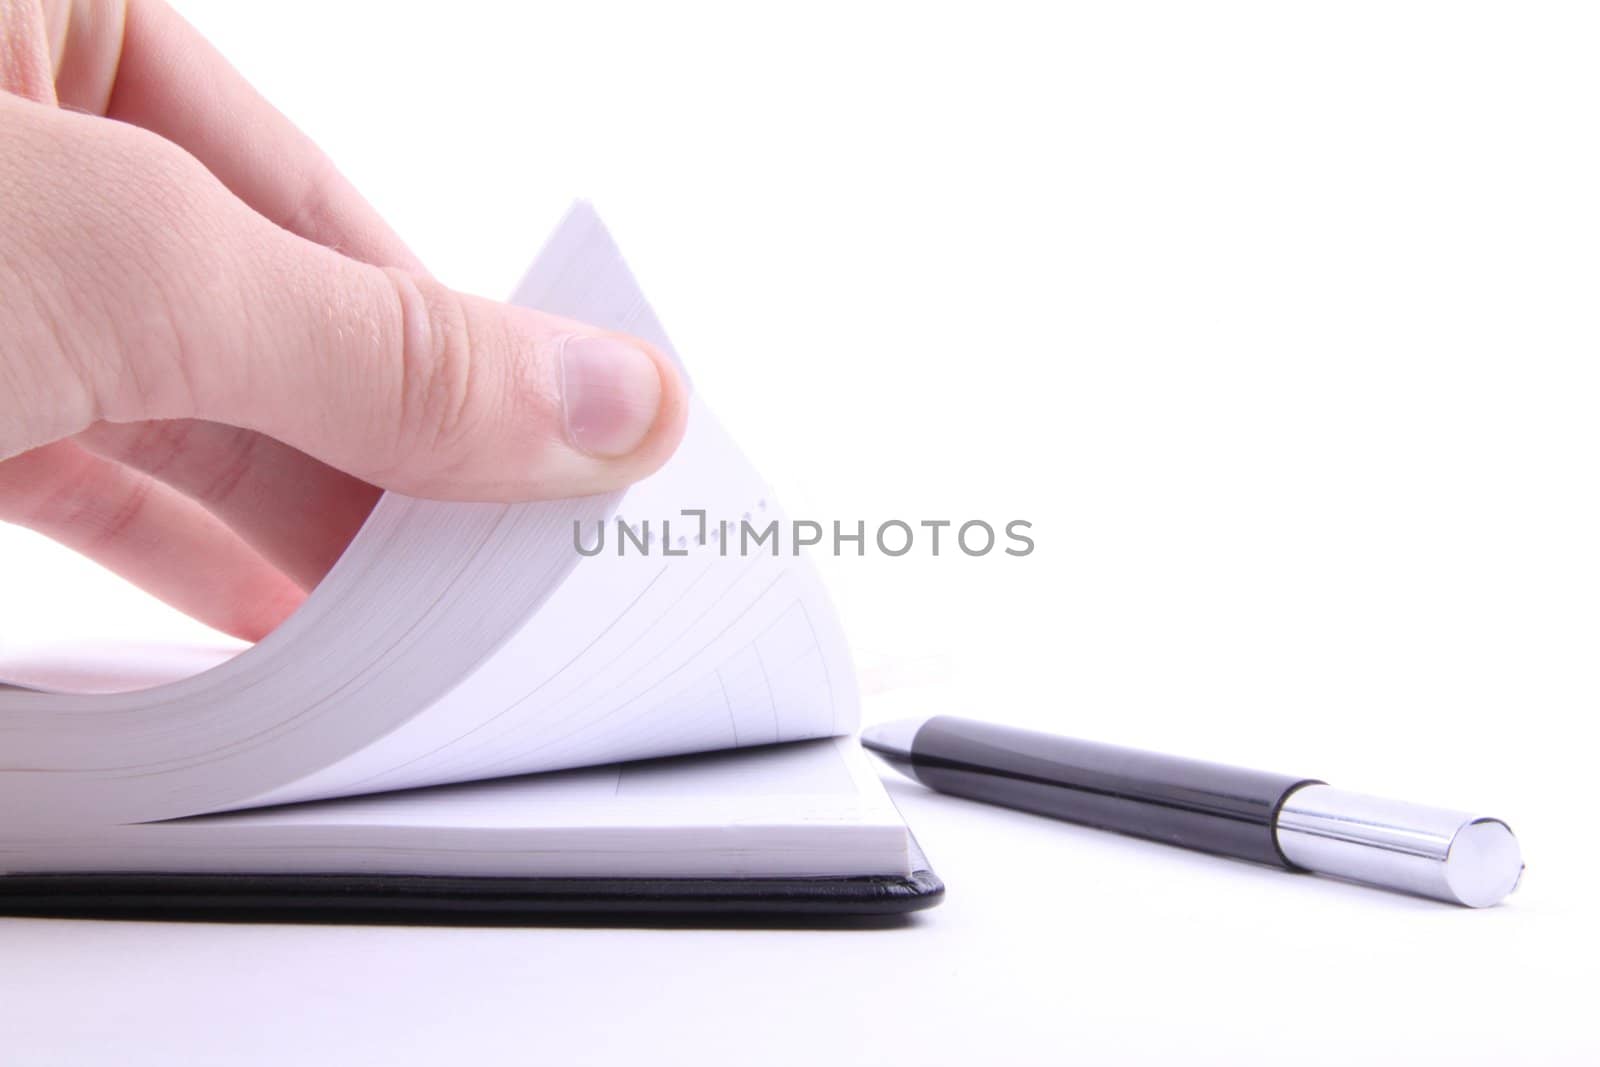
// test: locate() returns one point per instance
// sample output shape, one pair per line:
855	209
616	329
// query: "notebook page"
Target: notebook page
809	810
637	653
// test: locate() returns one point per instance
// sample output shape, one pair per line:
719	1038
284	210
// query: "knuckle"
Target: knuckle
109	519
165	201
156	235
78	502
235	457
311	208
152	447
312	205
208	461
440	399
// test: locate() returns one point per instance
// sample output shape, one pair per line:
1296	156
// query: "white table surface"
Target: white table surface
1056	944
1278	324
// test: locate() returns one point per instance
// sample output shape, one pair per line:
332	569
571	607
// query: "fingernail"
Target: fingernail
610	393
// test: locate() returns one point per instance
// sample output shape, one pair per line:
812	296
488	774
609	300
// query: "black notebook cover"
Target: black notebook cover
372	898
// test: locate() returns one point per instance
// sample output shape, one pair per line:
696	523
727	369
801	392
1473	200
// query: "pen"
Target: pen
1299	824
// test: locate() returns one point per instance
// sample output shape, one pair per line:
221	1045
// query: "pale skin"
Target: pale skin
214	355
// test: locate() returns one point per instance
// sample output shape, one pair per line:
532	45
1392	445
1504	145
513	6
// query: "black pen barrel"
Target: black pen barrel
1210	807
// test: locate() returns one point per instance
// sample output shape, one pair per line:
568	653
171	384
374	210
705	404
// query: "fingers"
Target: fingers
25	52
386	374
164	297
149	534
296	512
85	42
170	80
144	64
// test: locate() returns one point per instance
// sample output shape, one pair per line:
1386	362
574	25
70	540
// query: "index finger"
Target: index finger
138	61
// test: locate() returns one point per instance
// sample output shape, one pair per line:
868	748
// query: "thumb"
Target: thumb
382	373
407	384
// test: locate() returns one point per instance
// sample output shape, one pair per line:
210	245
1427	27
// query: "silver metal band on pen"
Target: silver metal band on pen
1432	852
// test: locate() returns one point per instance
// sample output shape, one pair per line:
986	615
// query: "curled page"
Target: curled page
455	641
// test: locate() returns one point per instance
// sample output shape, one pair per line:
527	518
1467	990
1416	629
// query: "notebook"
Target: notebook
404	745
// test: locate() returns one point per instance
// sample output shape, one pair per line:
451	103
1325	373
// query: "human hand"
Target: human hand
214	355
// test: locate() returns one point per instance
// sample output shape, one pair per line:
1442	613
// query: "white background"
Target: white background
1277	321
